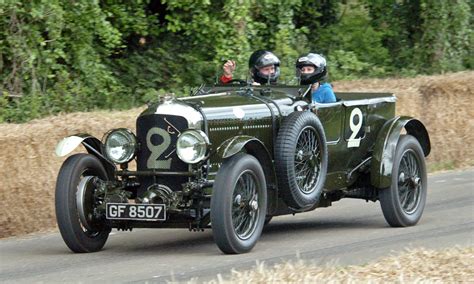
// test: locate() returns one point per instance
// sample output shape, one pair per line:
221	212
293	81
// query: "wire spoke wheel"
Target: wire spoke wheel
76	202
301	159
245	210
409	182
404	201
307	160
238	204
88	199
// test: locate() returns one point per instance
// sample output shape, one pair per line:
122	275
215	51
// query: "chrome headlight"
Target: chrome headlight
120	145
191	146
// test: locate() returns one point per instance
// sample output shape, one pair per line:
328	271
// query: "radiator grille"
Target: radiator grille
157	135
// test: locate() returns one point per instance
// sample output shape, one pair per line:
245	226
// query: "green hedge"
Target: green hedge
63	56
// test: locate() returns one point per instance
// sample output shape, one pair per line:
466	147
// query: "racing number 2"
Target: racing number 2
157	150
356	115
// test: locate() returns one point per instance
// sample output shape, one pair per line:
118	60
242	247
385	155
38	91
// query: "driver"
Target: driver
311	69
264	67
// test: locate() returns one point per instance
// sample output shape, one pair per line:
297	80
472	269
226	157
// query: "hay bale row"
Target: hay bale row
28	166
445	105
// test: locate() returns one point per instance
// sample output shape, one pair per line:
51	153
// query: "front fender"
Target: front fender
386	145
256	148
252	146
234	145
68	144
92	145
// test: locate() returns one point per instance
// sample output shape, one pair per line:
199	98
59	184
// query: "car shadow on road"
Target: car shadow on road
181	242
276	226
184	243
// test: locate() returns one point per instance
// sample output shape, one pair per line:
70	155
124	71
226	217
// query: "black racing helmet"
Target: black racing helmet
320	68
263	58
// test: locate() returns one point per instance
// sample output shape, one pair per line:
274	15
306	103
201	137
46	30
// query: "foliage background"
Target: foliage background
63	56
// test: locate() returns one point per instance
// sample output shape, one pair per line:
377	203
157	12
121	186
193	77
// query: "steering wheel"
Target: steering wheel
237	82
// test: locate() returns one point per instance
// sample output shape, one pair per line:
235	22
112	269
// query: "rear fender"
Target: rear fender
92	145
386	144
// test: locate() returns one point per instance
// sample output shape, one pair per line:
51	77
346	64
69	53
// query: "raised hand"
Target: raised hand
229	68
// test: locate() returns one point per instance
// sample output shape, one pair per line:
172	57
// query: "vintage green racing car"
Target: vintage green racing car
232	157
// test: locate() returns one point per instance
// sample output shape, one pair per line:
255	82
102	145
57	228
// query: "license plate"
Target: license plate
139	212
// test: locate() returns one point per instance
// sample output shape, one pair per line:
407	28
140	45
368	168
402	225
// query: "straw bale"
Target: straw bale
28	166
444	103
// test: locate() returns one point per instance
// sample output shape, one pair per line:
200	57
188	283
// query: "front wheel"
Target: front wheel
403	202
77	199
238	204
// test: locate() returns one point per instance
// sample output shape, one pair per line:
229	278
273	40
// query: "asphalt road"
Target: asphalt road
349	232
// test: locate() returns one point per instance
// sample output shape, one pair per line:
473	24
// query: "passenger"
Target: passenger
311	69
229	68
264	67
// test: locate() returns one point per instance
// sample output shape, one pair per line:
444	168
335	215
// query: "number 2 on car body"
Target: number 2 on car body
157	150
355	128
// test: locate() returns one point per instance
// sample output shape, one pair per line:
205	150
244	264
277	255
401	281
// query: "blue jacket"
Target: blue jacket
324	94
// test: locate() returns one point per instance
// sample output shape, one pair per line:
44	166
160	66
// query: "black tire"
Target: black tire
74	232
237	220
404	201
301	166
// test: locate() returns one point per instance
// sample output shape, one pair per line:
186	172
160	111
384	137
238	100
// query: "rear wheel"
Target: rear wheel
238	204
403	203
76	202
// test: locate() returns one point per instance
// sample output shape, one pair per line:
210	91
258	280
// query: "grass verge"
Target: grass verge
450	265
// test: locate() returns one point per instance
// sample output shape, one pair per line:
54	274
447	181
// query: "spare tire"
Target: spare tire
301	159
